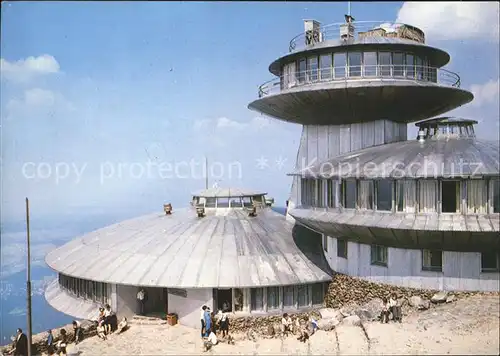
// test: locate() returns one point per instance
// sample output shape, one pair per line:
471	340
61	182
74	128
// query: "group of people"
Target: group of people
305	330
389	307
106	322
211	323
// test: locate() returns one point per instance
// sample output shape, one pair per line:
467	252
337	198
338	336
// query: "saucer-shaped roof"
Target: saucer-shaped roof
227	192
224	249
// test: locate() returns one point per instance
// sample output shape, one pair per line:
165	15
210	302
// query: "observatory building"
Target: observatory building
420	213
229	248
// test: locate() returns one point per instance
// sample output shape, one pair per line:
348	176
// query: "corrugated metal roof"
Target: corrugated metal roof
227	192
182	250
413	159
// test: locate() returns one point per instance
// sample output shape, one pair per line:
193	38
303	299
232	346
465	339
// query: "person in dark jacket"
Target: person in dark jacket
20	344
50	343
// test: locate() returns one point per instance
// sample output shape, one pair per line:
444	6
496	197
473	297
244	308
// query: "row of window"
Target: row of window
432	260
449	130
228	202
82	288
478	196
357	64
287	297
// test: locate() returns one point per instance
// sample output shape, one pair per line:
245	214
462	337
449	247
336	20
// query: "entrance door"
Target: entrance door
223	301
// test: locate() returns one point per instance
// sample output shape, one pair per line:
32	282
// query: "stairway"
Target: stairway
147	320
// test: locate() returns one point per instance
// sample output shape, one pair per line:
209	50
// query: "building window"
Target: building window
477	197
236	202
365	195
490	261
273	298
303	297
410	66
308	192
432	260
419	68
384	62
379	255
342	248
354	64
302	71
238	299
427	196
450	196
339	62
405	195
384	195
288	297
398	62
312	69
223	202
247	201
257	299
325	242
210	202
370	64
349	194
331	188
320	193
495	189
318	293
325	64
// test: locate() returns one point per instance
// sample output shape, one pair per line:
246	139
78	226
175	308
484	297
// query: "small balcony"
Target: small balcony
368	73
357	30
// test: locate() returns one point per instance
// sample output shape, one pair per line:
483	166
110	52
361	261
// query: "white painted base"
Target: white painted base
188	309
461	270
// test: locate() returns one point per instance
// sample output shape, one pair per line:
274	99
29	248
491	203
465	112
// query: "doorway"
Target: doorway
449	196
222	299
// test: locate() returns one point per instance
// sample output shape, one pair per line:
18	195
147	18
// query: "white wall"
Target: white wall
461	270
188	309
126	301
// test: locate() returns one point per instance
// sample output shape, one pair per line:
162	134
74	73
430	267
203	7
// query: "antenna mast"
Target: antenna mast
28	279
349	8
206	172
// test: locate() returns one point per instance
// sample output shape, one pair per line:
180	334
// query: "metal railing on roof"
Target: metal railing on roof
361	28
418	74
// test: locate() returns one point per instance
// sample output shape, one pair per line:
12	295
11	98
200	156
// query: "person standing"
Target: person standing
224	324
50	343
20	344
208	322
142	298
77	329
203	309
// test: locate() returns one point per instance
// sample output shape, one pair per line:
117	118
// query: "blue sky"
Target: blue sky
92	85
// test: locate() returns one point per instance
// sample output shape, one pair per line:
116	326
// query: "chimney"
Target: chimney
347	29
167	208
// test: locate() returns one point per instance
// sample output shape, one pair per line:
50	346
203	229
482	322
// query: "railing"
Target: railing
421	74
374	29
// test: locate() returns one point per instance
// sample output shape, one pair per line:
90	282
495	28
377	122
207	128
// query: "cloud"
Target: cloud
37	101
24	70
485	93
223	123
453	20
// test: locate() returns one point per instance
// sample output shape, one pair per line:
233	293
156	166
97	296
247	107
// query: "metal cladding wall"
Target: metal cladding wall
320	142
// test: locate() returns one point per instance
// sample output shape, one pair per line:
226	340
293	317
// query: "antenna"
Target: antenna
28	278
349	8
206	172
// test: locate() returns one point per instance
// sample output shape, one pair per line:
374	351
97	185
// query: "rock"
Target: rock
352	320
450	299
439	297
328	324
419	303
329	313
370	311
270	330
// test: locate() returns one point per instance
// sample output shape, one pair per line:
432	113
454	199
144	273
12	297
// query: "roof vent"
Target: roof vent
312	30
167	208
200	211
347	29
252	212
421	136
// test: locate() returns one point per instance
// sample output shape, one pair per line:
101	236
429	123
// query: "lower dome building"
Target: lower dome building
228	248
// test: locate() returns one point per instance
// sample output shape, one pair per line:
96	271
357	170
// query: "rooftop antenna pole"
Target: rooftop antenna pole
28	278
349	8
206	172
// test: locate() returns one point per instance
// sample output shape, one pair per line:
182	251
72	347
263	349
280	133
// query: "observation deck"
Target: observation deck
371	71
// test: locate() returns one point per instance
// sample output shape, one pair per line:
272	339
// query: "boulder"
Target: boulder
419	303
439	297
328	324
369	311
450	299
352	320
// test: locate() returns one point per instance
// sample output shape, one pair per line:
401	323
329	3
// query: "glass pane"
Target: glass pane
288	297
325	63
312	69
223	202
302	71
247	201
236	202
418	68
370	64
354	64
365	194
317	293
303	295
342	248
384	62
349	194
238	299
210	202
339	63
384	195
398	62
496	195
257	300
273	301
410	66
489	260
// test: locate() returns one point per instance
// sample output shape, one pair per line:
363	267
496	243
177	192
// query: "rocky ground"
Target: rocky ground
469	325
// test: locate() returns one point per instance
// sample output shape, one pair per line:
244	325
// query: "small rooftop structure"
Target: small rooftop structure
227	192
446	127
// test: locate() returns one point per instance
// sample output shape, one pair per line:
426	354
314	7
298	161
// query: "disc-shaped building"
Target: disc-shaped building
228	247
422	212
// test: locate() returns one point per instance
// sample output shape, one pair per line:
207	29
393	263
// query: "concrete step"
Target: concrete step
147	320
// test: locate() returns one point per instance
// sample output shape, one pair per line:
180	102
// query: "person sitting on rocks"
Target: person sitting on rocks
286	325
303	334
210	341
78	331
123	325
101	333
384	315
394	308
63	342
314	325
100	317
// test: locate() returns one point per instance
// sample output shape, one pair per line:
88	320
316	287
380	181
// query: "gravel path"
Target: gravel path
468	326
